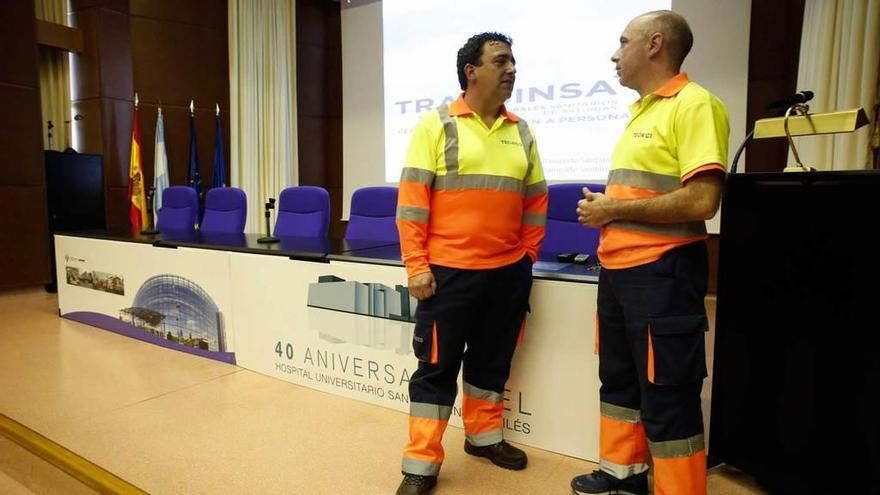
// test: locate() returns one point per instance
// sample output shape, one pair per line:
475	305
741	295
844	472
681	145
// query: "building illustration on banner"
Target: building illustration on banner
178	310
167	309
105	282
391	313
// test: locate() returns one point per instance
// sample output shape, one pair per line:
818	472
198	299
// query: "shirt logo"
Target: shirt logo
643	135
507	141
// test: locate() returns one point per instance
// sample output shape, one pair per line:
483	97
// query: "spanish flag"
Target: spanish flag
137	209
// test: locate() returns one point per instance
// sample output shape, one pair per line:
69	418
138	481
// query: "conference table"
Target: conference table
329	314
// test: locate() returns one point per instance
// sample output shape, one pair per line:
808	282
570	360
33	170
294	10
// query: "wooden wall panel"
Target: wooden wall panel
205	13
21	158
24	236
319	101
180	52
337	227
774	47
103	93
114	47
312	150
117	5
86	77
171	51
58	36
117	217
116	131
334	152
311	23
88	130
24	230
712	244
177	62
333	77
17	37
311	84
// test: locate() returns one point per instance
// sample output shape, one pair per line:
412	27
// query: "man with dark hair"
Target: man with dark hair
665	180
472	51
471	213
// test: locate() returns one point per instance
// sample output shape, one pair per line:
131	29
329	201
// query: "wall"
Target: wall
175	51
774	45
773	66
319	101
168	51
24	230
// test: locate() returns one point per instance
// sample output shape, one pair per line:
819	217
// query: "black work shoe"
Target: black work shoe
414	484
599	482
501	454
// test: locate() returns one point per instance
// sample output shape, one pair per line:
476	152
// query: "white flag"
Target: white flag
160	169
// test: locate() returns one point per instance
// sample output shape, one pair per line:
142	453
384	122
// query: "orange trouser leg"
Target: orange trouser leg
680	467
482	412
423	453
623	448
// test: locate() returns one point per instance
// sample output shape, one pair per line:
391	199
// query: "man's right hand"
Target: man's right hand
422	286
593	210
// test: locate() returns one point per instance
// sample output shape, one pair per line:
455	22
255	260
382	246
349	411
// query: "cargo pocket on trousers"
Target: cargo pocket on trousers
425	338
677	349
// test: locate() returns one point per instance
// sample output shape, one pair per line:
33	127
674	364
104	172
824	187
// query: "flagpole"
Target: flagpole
193	178
219	166
150	228
137	214
160	166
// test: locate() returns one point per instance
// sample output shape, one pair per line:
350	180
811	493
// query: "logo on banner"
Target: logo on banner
534	94
368	299
374	316
95	280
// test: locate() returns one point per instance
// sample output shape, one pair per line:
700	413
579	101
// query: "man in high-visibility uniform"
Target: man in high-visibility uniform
471	213
666	178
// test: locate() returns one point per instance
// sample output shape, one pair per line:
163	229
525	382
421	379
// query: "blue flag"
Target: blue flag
193	179
219	161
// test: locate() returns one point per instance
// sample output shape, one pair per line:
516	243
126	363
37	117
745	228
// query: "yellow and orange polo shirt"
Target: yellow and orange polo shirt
673	134
471	196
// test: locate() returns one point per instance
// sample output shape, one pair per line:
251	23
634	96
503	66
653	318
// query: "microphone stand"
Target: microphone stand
151	228
742	146
269	239
875	137
739	151
785	103
50	126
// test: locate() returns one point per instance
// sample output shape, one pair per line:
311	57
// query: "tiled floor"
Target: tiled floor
174	423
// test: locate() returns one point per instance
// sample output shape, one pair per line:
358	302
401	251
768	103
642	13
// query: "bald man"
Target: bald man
666	176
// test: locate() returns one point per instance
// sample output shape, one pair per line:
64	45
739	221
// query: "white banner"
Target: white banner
175	298
341	328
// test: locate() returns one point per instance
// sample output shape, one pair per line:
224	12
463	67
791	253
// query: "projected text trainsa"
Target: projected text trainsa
567	91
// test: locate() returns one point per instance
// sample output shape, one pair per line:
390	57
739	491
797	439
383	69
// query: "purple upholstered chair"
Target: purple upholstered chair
373	213
303	211
564	233
225	210
179	211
